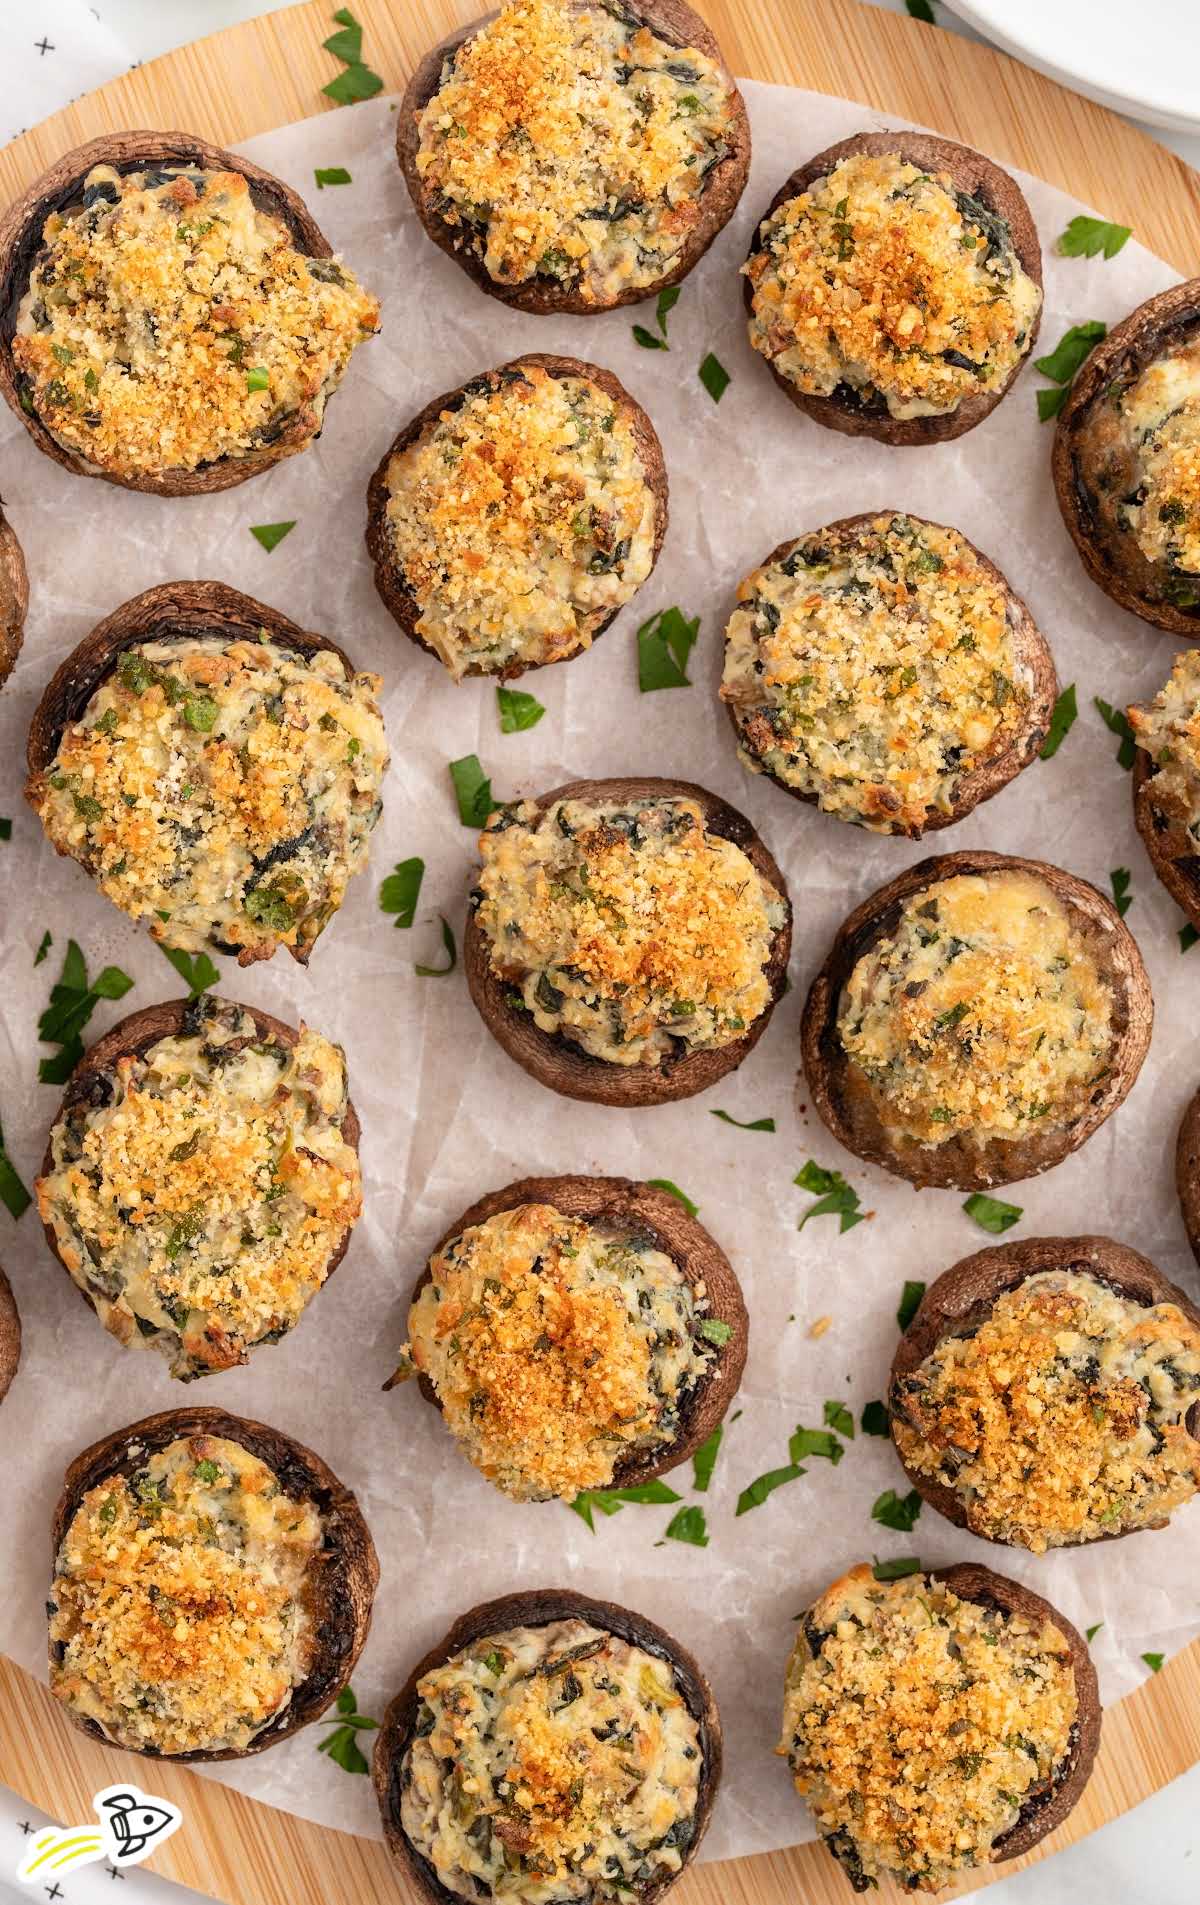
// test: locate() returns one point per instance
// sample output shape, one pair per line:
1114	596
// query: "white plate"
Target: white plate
1143	60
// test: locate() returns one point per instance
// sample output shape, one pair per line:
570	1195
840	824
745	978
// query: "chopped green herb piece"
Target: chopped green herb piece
1122	897
764	1485
518	710
451	950
910	1303
5	829
921	10
714	376
270	535
341	1745
667	300
992	1213
347	45
472	790
665	1184
200	713
1092	1631
822	1442
754	1124
13	1195
895	1570
331	174
269	906
689	1525
72	1002
47	940
647	339
874	1419
839	1417
357	82
713	1330
196	970
1066	713
257	378
834	1196
1187	937
1069	353
401	890
705	1460
207	1471
664	644
897	1511
1154	1662
610	1501
1086	237
1051	401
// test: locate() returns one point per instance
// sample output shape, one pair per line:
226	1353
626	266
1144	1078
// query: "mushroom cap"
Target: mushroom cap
1171	848
1187	1174
10	1335
14	597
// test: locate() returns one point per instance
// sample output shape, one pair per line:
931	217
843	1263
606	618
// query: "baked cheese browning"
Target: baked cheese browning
1169	730
918	1724
1141	443
178	1616
522	520
885	279
569	142
169	323
983	1013
199	1192
1062	1417
872	667
557	1348
633	931
552	1763
224	789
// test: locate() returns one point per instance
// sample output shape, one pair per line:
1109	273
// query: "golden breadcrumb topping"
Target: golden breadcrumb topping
886	279
1139	445
558	1348
200	1190
632	929
521	519
1169	730
1062	1417
178	1618
169	323
226	790
569	143
918	1725
873	668
981	1015
553	1762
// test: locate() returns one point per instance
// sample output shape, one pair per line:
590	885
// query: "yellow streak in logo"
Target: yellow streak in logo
65	1851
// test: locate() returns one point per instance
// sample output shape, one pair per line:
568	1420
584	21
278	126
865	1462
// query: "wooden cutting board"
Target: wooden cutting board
268	73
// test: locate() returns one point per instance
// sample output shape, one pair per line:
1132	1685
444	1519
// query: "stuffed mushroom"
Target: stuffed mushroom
10	1336
202	1180
976	1020
627	939
937	1723
14	597
550	1746
1187	1172
216	769
175	320
894	287
576	1333
1166	782
574	155
212	1587
512	520
882	669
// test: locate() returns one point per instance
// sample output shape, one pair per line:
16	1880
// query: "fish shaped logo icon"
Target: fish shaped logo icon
132	1825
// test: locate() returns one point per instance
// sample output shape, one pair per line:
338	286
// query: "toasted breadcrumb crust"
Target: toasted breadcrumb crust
1061	1417
1169	730
874	669
884	278
981	1013
633	931
552	1762
522	520
557	1348
200	1191
225	790
918	1724
177	1614
571	143
169	323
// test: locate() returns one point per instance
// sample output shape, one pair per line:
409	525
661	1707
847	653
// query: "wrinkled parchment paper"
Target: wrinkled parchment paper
446	1115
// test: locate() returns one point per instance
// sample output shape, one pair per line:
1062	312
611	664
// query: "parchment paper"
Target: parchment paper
446	1115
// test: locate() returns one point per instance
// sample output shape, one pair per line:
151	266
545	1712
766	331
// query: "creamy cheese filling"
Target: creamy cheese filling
1145	435
982	1015
918	1725
225	789
521	520
569	142
1169	730
177	1613
551	1764
630	929
887	280
873	668
1062	1416
558	1348
169	323
199	1192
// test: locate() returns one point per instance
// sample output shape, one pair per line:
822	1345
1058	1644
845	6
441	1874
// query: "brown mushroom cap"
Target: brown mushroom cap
174	611
1116	565
61	186
1187	1174
390	583
625	1203
1171	847
841	1094
1042	1814
1030	649
965	1295
969	172
14	597
10	1335
538	1607
670	20
575	1073
344	1577
132	1037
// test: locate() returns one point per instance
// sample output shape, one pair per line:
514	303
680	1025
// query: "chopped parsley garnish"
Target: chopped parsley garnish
754	1124
921	10
714	376
258	378
1062	363
331	174
518	710
1120	878
714	1330
1087	237
13	1195
207	1471
820	1442
472	790
839	1417
910	1303
834	1196
874	1419
992	1213
1091	1632
5	829
270	535
195	969
401	890
269	906
1154	1662
610	1501
664	644
667	300
1066	713
705	1460
1187	937
72	1002
1117	722
44	945
897	1511
673	1190
763	1485
358	81
895	1570
341	1745
451	951
689	1525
